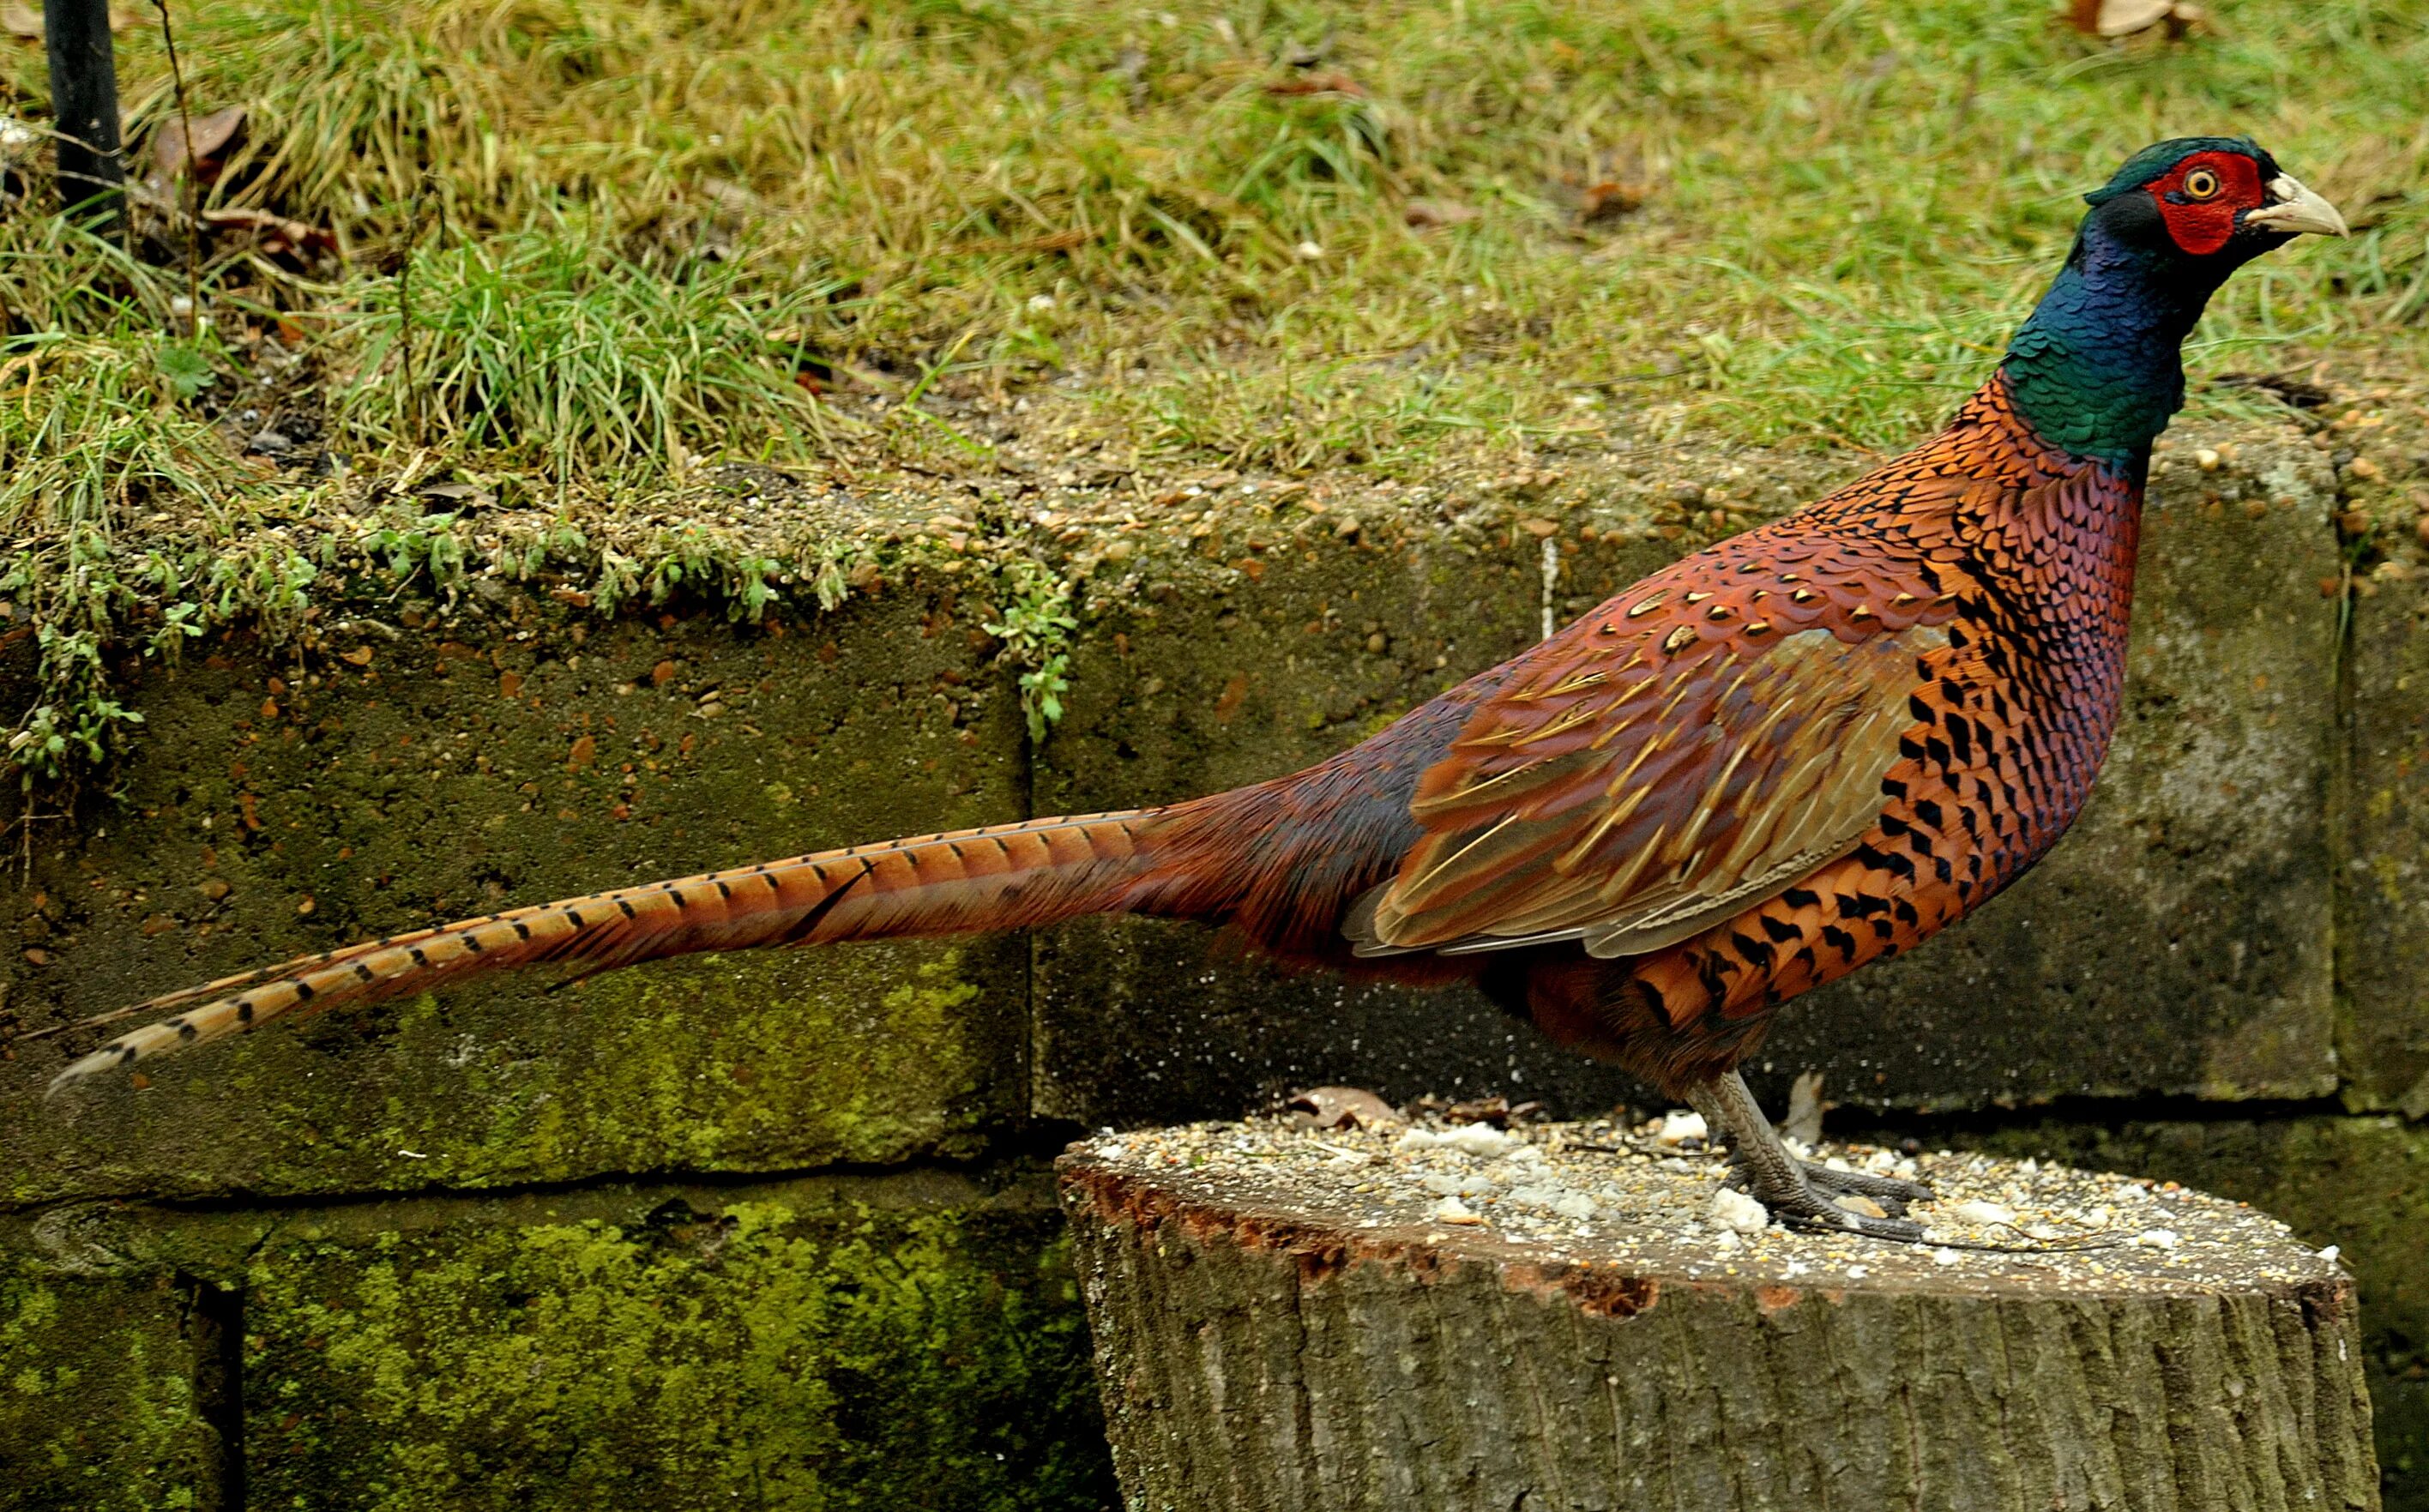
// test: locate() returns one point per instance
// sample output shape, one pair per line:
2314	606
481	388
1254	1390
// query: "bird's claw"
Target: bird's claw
1891	1194
1817	1214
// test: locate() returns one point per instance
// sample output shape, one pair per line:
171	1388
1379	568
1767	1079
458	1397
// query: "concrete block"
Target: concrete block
868	1343
507	756
2383	905
107	1366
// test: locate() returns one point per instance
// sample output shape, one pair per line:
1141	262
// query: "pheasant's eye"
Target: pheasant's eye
2201	184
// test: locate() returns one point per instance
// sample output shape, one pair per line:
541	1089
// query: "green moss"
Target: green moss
470	765
781	1352
97	1392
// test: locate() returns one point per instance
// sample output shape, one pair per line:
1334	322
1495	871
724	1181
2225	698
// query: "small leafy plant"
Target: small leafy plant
1036	634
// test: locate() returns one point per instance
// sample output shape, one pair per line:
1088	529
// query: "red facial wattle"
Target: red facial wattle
2201	196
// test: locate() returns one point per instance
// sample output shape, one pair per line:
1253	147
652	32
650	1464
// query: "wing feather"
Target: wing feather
1630	804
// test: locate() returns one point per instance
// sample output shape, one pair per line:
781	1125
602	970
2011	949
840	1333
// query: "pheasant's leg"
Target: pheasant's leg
1890	1192
1778	1180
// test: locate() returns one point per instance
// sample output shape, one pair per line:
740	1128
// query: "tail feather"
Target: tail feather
995	876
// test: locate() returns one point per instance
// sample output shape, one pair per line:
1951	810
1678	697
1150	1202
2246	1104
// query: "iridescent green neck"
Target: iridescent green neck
2095	370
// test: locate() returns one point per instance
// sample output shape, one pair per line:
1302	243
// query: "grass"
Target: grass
1846	206
588	244
552	350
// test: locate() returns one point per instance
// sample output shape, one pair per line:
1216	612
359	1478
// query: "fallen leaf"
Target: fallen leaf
1609	200
20	20
467	495
276	234
1330	81
214	135
1343	1106
360	656
1427	214
1496	1111
2123	18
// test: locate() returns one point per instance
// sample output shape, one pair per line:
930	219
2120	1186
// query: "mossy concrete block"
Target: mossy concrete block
821	1344
403	776
2179	940
2359	1183
102	1371
2383	919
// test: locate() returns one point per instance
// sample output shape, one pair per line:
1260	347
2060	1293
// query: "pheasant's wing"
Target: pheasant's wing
1640	785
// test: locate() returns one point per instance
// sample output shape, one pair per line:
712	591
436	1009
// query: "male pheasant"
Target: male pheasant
1804	748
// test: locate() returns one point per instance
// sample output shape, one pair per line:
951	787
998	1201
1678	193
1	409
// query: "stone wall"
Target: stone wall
774	1226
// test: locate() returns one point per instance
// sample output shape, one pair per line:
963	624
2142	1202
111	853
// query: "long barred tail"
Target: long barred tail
995	876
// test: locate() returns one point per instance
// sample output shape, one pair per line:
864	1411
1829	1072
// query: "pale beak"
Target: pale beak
2294	208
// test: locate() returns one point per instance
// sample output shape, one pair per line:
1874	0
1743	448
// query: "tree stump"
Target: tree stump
1578	1317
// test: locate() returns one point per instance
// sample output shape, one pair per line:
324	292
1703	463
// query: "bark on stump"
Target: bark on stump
1287	1320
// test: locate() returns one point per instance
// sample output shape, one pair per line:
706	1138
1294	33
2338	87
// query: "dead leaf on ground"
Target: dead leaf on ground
274	235
1497	1110
462	495
21	21
1327	81
1427	214
2123	18
214	134
1609	200
1051	241
1339	1106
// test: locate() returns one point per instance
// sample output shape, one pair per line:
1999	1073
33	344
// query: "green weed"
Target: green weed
1036	631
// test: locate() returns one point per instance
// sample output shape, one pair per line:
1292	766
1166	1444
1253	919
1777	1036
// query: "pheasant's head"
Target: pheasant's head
2215	202
2096	371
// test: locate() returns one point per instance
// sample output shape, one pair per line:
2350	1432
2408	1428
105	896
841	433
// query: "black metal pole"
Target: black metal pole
84	106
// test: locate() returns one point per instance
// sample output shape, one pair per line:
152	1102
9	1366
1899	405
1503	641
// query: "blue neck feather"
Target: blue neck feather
2095	370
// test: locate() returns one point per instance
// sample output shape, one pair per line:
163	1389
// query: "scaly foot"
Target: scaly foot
1801	1206
1890	1192
1799	1192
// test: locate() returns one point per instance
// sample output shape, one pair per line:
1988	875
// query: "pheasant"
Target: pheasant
1807	748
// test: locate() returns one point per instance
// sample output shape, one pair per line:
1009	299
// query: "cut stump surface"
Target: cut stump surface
1576	1317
